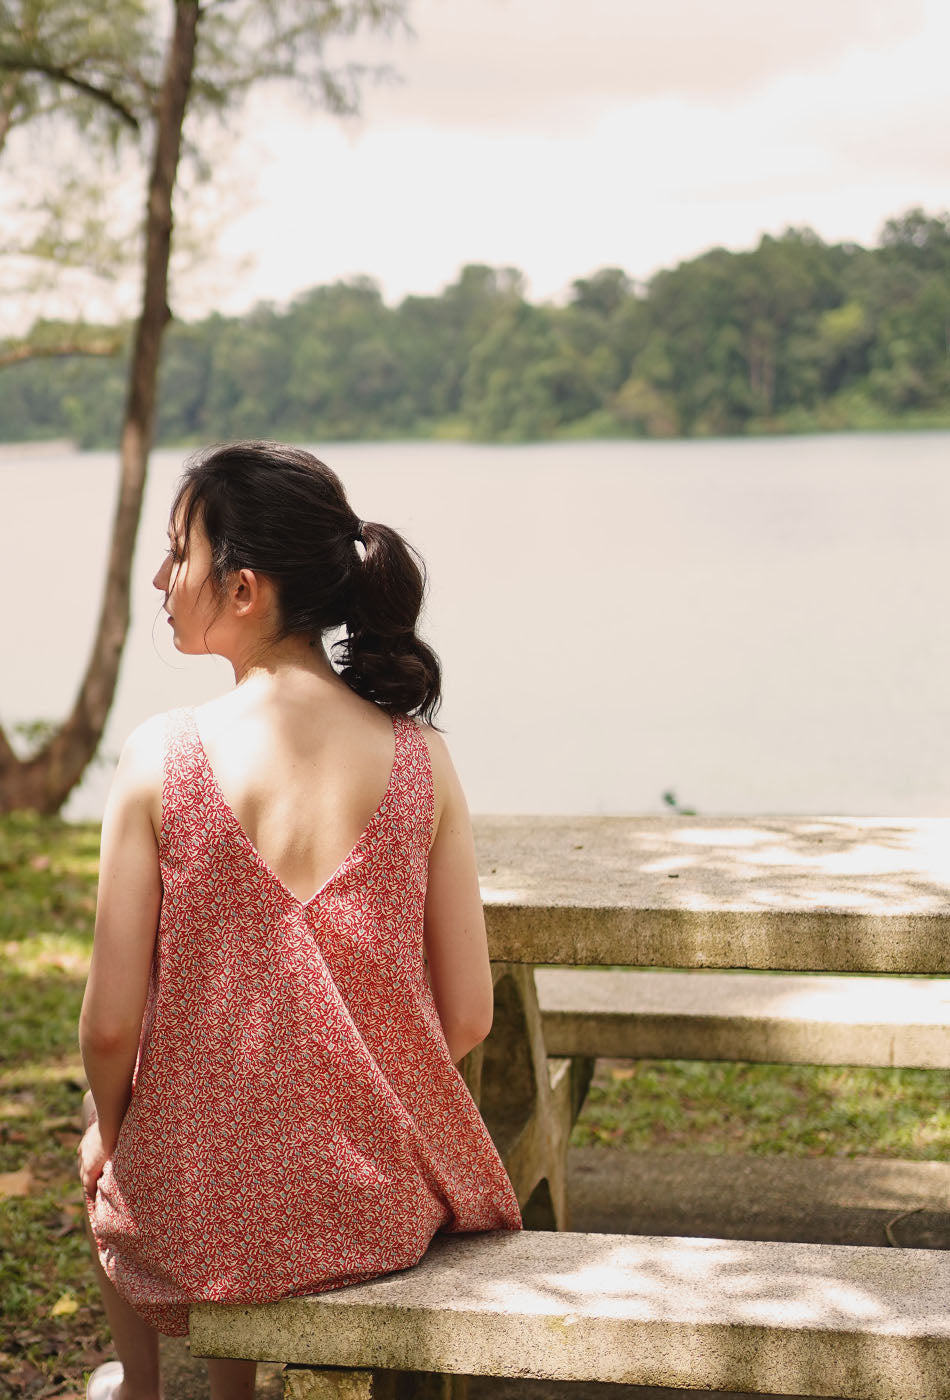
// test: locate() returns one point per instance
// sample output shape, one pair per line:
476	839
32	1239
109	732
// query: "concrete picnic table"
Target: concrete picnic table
808	895
817	894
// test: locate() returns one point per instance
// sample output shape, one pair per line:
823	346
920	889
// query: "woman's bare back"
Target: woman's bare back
303	767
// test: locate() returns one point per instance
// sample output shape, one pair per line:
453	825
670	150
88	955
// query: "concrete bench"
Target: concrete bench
760	1017
764	1318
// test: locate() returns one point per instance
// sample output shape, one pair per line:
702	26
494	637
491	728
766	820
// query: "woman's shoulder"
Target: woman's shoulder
141	767
137	782
144	747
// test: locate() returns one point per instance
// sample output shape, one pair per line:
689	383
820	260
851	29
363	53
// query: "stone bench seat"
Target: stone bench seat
760	1017
760	1317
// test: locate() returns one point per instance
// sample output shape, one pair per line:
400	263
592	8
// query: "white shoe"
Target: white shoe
104	1381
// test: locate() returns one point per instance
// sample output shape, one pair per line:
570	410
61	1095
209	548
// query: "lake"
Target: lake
755	625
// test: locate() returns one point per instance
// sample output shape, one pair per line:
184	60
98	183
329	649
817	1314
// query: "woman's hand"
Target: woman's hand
93	1156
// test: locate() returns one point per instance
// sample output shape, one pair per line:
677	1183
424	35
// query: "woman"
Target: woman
290	954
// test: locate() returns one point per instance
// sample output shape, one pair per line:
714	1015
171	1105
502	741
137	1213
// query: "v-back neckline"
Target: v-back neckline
249	844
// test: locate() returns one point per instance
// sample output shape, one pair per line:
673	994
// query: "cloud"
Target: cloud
490	63
873	117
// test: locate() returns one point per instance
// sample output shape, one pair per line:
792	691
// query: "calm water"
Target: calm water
757	625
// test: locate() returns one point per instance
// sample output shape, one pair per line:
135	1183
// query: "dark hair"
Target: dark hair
281	512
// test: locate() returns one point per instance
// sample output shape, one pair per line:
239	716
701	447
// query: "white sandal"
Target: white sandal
104	1381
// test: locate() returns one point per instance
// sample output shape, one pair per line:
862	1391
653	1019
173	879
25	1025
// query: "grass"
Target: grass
54	1326
766	1110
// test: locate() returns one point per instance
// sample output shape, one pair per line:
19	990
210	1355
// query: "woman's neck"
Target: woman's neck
280	662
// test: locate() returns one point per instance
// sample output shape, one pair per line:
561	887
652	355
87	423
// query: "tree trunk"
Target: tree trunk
45	781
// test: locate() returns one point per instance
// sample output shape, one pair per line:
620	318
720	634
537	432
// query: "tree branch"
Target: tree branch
16	354
32	63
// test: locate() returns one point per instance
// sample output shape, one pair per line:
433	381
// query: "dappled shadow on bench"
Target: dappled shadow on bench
868	864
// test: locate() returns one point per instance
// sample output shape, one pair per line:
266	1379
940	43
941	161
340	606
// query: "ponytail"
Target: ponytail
280	511
381	658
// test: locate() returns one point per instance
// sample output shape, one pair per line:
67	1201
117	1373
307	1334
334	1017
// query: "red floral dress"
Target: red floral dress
296	1121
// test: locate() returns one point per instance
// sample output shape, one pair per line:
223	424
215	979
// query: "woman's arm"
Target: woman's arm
127	910
456	943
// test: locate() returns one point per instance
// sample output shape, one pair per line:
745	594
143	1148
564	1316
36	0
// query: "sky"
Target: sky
559	137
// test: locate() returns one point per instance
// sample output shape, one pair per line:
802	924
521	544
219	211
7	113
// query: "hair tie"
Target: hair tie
358	532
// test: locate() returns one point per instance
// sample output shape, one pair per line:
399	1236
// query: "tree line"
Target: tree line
795	335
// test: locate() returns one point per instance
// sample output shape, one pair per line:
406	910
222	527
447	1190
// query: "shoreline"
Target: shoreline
41	447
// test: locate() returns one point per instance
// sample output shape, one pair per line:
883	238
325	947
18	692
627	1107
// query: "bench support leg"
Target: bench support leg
341	1383
528	1103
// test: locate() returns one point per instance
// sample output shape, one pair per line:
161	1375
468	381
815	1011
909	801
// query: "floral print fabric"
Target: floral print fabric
296	1121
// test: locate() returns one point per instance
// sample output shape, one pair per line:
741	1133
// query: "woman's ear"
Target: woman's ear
246	592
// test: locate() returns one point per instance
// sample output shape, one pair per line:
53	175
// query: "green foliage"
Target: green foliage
32	734
795	336
98	63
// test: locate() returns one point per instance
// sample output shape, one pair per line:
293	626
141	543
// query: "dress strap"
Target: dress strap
180	772
412	780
